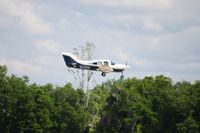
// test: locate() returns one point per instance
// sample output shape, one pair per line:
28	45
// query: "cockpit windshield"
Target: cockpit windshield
105	62
112	63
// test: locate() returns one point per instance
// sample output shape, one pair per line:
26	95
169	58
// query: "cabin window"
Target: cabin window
105	63
94	63
112	63
99	63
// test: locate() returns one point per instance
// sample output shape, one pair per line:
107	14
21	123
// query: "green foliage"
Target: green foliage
189	125
70	116
3	71
149	105
34	108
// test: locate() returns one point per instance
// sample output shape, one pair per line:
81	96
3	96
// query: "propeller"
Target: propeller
127	65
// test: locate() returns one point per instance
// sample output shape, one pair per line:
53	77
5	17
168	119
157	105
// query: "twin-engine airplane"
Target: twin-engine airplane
105	66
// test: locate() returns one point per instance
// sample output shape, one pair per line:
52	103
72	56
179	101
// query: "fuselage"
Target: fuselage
96	65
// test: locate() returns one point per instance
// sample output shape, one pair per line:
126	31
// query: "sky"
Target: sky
154	36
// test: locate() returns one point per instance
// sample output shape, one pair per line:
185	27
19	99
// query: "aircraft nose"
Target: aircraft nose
126	66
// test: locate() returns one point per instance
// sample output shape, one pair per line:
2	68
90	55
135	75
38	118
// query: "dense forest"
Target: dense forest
149	105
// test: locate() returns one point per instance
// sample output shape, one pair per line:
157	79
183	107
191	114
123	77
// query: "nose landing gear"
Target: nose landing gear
122	76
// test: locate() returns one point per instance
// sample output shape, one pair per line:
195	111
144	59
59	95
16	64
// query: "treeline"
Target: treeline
149	105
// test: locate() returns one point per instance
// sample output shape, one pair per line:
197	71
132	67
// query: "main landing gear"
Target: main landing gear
103	74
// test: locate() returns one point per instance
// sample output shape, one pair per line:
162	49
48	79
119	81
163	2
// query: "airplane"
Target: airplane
105	66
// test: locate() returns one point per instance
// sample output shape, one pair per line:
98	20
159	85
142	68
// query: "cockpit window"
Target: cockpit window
105	63
112	63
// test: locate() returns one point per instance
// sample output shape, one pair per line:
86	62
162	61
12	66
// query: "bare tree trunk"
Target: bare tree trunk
81	76
87	92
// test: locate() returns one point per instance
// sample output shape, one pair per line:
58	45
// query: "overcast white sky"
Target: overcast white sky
154	36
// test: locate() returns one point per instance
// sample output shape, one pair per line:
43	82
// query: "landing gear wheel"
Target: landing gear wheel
103	74
122	77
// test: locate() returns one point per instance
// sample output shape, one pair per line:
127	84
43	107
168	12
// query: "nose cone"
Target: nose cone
120	66
125	66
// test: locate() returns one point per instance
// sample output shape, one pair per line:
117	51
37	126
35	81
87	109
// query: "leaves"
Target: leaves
149	105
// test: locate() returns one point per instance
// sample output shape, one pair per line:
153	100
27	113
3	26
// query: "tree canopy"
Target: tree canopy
148	105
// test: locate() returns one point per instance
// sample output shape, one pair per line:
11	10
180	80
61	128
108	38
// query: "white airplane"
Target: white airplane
105	66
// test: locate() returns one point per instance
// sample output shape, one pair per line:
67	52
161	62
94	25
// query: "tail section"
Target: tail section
70	59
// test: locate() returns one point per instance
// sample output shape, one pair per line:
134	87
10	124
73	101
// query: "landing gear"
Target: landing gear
103	74
122	76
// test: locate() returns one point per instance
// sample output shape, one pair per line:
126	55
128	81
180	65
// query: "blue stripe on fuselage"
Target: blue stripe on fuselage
70	61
